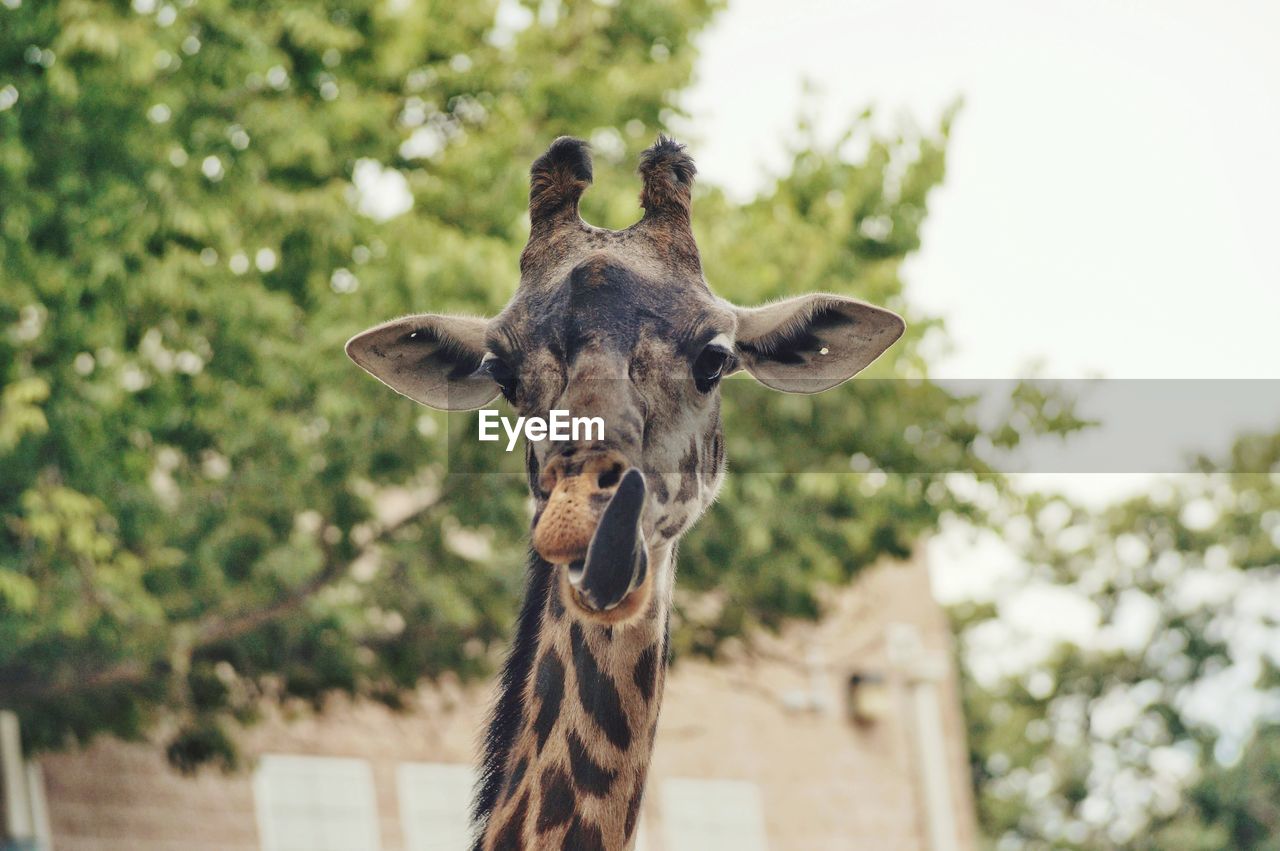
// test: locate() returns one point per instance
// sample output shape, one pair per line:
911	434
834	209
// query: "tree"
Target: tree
1154	727
204	506
1231	806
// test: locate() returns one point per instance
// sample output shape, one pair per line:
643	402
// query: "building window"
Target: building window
435	804
24	816
712	815
308	803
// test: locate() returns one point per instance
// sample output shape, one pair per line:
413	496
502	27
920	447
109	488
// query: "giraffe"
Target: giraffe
623	325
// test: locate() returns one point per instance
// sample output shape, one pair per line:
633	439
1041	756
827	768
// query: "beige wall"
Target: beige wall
824	782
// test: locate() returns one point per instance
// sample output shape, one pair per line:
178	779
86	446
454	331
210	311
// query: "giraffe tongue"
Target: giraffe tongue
616	561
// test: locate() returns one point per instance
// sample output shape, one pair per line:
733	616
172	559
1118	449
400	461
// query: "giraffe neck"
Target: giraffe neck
572	731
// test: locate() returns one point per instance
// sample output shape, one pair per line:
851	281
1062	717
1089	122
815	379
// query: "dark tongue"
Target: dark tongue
616	560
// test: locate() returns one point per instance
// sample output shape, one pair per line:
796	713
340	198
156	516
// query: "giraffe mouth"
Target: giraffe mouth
617	562
611	581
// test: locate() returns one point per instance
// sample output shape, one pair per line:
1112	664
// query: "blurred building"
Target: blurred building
845	734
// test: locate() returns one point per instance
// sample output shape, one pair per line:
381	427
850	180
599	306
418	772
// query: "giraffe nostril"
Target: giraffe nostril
610	477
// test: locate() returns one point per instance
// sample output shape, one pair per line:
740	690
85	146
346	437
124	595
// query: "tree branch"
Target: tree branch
122	673
215	629
233	626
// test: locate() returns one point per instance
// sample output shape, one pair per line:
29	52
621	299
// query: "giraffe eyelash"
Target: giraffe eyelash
502	374
713	363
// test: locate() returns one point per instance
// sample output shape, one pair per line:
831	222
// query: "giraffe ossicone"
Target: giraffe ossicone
619	325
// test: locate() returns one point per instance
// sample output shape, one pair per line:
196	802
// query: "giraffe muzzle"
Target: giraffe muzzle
579	487
591	524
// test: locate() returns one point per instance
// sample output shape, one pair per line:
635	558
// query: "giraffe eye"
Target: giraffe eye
711	364
502	374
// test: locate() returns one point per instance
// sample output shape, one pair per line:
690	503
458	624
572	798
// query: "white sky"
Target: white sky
1112	199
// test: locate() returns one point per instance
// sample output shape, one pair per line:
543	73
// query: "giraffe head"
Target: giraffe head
621	325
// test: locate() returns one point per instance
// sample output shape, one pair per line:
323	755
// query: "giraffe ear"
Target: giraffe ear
811	343
432	359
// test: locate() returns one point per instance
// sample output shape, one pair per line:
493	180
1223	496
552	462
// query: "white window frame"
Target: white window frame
435	805
713	815
317	789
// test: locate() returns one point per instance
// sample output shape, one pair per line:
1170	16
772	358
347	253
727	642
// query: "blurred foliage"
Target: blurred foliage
204	505
1154	726
1230	806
